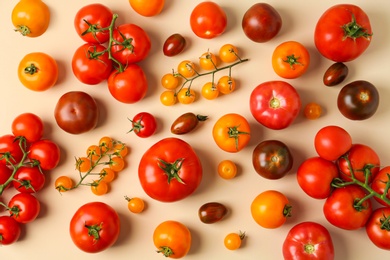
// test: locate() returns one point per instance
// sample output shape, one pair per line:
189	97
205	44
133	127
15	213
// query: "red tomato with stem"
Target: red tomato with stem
170	170
308	240
11	147
28	125
24	207
144	124
378	228
94	227
275	104
10	230
44	153
343	33
379	185
29	179
332	141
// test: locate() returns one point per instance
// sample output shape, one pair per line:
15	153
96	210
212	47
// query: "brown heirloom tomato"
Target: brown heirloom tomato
212	212
174	45
335	74
186	123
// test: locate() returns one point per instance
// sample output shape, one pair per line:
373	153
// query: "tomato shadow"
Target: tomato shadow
124	236
196	241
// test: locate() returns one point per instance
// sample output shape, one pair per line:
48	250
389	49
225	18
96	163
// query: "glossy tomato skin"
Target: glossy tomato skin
147	8
358	100
160	185
29	179
212	212
28	125
46	152
332	40
10	230
174	45
261	22
339	208
308	240
144	124
335	74
315	175
377	228
331	142
129	86
275	104
186	122
89	19
272	159
379	184
208	20
24	207
103	218
9	144
76	112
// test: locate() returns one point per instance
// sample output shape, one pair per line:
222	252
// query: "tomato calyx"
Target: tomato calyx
94	230
137	126
166	251
233	132
93	29
32	69
287	211
292	60
23	30
385	222
172	169
274	103
309	248
354	30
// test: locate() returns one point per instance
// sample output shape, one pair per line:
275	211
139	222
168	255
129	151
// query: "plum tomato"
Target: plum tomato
379	185
208	20
186	122
358	100
10	230
335	74
143	124
212	212
261	22
332	141
44	153
28	125
272	159
76	112
174	45
147	8
378	228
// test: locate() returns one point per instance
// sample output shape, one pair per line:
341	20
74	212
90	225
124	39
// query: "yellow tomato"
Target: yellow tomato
147	7
227	169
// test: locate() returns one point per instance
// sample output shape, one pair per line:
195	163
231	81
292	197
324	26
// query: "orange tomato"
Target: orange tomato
290	60
99	188
186	96
147	7
226	85
312	111
233	241
135	204
106	143
228	53
83	164
168	98
208	61
38	71
186	68
93	152
227	169
107	175
63	183
210	91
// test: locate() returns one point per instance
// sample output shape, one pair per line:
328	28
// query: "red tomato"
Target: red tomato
131	44
275	104
378	228
208	20
129	86
10	147
315	176
342	208
308	240
91	63
379	185
29	179
363	160
331	142
45	153
24	207
144	124
9	230
94	227
90	20
28	125
343	33
170	170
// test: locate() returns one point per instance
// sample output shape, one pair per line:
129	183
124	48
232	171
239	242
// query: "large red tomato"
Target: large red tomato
343	33
275	104
170	170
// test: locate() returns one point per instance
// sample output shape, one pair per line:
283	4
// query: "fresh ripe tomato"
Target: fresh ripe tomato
233	241
186	68
308	240
45	153
312	111
28	125
315	176
128	86
11	146
24	207
90	20
132	44
170	81
31	17
99	187
379	184
144	124
174	45
147	8
107	175
116	163
226	85
186	122
227	169
172	239
135	204
208	20
210	91
5	175
168	98
290	59
261	22
208	61
228	53
170	170
94	227
9	230
358	100
63	183
231	132
29	179
335	74
270	209
275	104
186	96
378	228
272	159
343	33
341	208
76	112
212	212
38	71
91	63
332	141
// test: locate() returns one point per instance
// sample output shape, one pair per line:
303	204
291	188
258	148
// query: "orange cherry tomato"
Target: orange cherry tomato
117	163
107	175
228	53
135	204
186	68
227	169
63	183
170	81
226	85
93	152
106	143
186	96
233	241
168	98
83	164
210	91
312	111
208	61
99	188
147	7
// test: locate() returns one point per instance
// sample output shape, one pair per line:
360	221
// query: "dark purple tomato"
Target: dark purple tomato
186	123
261	22
212	212
358	100
335	74
174	45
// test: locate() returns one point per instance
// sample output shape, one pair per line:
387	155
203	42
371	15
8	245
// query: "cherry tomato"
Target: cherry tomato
106	143
377	228
312	111
107	175
117	164
332	141
208	20
28	125
63	183
226	85
99	187
135	204
186	96
212	212
233	241
93	152
228	53
186	122
83	164
186	68
379	185
208	61
227	169
335	74
210	91
44	153
24	207
28	179
144	124
174	45
168	98
10	230
170	81
147	8
31	17
10	147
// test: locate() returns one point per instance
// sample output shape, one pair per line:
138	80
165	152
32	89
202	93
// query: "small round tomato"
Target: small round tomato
83	164
10	148
331	142
186	96
170	81
135	204
290	60
270	209
29	179
378	228
231	132
335	74
228	53
186	122
208	20
144	124
212	212
208	61
358	100
99	187
10	230
116	163
174	45
24	207
210	91
233	241
226	85
63	183
227	169
106	143
172	239
38	71
147	8
168	98
28	125
107	175
93	152
272	159
379	185
31	18
44	153
186	68
312	111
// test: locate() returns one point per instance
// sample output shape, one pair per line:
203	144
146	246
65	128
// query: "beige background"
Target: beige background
48	237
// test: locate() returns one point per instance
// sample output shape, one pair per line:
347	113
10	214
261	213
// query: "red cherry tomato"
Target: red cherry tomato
28	125
379	184
331	142
24	207
45	153
29	179
10	230
378	228
144	124
10	147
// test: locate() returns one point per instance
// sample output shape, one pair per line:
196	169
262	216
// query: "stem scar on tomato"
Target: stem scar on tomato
354	30
93	230
292	60
172	169
235	133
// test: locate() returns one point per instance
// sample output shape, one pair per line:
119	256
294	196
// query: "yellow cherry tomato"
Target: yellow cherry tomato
186	68
226	85
135	204
170	81
228	53
210	91
168	98
227	169
233	241
186	96
208	61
